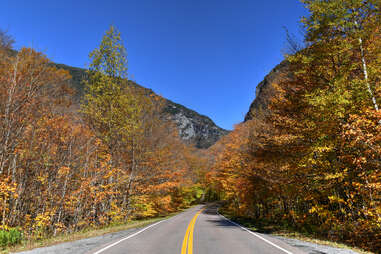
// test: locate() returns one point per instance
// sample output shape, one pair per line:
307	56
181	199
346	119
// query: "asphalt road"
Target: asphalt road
196	231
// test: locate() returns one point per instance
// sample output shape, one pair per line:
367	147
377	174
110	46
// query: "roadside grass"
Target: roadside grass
306	238
29	244
268	227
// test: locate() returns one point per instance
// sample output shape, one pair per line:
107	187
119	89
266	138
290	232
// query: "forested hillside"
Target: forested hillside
112	159
194	129
308	155
84	149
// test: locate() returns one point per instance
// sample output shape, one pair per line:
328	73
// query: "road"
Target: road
198	230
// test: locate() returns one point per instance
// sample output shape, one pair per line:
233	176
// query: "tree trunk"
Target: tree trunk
365	71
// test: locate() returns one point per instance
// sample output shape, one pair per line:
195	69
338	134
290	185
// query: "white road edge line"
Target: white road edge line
251	232
128	237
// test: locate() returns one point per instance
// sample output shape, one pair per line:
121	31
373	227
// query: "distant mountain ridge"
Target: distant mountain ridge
195	129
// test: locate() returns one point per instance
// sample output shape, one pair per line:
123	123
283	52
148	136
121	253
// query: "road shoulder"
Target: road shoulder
305	246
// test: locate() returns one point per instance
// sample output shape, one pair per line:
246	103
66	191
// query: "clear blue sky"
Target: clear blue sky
208	55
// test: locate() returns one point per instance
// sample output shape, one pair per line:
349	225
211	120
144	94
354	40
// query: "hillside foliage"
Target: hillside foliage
63	170
312	161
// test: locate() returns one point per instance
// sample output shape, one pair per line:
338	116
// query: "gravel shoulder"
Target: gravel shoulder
83	246
313	248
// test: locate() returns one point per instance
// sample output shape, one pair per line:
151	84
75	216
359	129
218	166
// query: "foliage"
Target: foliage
6	41
62	170
10	237
312	162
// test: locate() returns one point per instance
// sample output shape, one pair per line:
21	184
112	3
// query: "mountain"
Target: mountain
194	129
265	90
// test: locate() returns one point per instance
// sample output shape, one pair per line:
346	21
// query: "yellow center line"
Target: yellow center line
189	235
185	241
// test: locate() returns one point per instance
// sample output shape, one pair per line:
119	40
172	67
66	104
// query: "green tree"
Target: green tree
111	108
121	114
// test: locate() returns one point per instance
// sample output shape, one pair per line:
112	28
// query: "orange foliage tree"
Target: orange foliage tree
312	161
62	170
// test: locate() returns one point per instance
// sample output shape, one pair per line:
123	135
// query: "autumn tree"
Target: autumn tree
348	27
61	170
26	79
312	160
127	120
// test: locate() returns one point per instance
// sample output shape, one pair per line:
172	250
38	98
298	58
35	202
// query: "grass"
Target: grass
306	238
86	233
268	227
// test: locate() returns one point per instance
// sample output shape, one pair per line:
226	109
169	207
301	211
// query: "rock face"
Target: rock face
194	129
265	90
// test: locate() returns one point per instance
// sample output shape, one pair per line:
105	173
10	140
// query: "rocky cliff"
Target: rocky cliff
194	129
265	90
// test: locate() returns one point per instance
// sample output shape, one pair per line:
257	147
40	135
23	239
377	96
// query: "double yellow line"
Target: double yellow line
188	238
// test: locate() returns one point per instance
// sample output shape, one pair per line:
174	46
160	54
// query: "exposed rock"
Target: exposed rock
265	91
194	129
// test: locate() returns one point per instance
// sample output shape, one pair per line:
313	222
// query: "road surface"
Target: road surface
198	230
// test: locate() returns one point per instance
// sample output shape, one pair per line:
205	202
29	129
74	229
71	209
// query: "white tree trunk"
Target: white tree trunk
364	67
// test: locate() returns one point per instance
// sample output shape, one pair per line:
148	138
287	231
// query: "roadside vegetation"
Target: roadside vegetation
10	237
30	243
311	162
267	226
67	168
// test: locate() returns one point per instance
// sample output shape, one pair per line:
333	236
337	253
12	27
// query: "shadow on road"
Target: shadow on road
259	226
211	209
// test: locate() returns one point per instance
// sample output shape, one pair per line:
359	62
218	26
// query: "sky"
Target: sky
208	55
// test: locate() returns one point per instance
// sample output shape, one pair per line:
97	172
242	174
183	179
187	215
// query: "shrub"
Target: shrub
10	237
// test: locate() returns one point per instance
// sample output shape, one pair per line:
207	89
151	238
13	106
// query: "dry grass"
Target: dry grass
298	236
268	227
87	233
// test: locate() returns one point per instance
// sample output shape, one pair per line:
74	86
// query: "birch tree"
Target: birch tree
351	20
115	108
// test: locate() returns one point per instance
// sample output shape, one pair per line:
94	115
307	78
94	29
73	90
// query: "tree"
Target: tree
25	79
63	170
312	161
122	115
107	106
351	21
6	41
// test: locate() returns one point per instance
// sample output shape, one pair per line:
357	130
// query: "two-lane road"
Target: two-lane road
200	230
